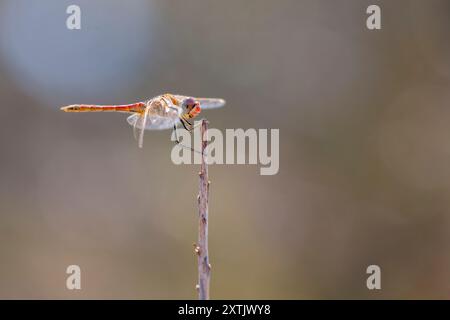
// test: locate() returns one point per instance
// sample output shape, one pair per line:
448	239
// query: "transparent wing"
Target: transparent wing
150	122
142	127
142	122
210	103
205	103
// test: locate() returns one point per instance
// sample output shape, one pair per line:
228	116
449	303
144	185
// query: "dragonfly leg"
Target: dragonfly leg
183	122
193	126
190	127
177	140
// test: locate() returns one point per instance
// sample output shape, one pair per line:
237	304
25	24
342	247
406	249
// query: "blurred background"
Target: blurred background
364	149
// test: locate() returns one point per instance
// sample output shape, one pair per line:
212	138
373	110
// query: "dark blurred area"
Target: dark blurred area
364	151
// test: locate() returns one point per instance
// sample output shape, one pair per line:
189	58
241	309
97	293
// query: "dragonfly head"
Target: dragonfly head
191	108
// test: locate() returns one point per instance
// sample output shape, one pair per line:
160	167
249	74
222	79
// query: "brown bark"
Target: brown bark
204	268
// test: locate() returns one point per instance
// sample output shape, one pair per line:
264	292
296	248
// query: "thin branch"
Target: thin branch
201	249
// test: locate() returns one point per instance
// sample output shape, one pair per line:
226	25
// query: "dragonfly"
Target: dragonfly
166	111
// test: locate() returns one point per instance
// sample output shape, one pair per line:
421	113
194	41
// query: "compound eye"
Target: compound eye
189	102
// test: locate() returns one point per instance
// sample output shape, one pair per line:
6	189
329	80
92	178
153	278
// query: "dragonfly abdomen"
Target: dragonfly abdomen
130	108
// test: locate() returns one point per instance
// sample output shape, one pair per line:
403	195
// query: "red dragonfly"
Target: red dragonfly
165	111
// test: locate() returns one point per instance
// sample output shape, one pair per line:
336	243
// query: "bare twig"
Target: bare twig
201	248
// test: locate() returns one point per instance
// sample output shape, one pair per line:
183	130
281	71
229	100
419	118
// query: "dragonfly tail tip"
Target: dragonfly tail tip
70	108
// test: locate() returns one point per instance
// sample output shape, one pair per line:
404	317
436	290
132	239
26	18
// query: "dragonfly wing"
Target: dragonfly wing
142	122
134	123
150	122
205	103
210	103
137	121
142	128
